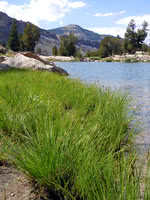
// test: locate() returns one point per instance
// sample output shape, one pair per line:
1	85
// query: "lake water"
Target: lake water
131	77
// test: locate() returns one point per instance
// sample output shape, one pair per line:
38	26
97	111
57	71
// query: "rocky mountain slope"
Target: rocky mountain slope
81	33
47	39
5	27
87	40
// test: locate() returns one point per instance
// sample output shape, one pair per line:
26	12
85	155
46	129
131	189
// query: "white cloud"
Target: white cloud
109	14
61	23
77	4
114	31
138	19
109	31
120	30
37	10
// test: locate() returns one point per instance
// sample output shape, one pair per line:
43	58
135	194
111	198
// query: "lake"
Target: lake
133	78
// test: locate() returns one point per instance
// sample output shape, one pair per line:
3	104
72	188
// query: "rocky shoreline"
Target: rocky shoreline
116	58
29	60
130	58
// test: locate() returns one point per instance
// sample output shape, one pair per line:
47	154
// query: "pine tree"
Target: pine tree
27	37
35	36
135	38
55	51
67	45
13	41
21	43
30	37
62	50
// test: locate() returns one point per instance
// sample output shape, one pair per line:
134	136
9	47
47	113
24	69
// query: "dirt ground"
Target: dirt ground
14	185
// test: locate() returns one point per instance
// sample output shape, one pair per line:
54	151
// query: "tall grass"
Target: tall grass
68	137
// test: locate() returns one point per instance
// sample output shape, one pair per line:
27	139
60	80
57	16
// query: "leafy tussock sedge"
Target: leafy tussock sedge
70	138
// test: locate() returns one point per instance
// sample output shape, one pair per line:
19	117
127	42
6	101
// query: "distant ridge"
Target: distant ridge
80	32
87	40
5	27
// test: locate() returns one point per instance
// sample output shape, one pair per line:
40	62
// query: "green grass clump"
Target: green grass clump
108	59
68	137
131	60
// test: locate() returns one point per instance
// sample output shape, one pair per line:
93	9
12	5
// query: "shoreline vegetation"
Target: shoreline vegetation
128	58
73	141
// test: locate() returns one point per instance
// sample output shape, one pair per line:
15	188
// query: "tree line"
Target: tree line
133	41
109	46
67	46
25	41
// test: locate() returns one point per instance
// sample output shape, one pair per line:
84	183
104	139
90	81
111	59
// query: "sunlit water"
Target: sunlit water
131	77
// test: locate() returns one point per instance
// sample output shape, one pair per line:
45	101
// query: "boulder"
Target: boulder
2	58
35	56
54	69
21	61
58	58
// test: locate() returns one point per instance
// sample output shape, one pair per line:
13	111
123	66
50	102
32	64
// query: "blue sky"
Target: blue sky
102	16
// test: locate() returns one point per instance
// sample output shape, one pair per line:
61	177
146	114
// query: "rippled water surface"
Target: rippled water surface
131	77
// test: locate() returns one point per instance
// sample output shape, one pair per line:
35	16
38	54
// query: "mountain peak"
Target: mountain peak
81	33
87	40
73	26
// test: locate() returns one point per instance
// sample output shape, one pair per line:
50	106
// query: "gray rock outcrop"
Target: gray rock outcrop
2	58
24	62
